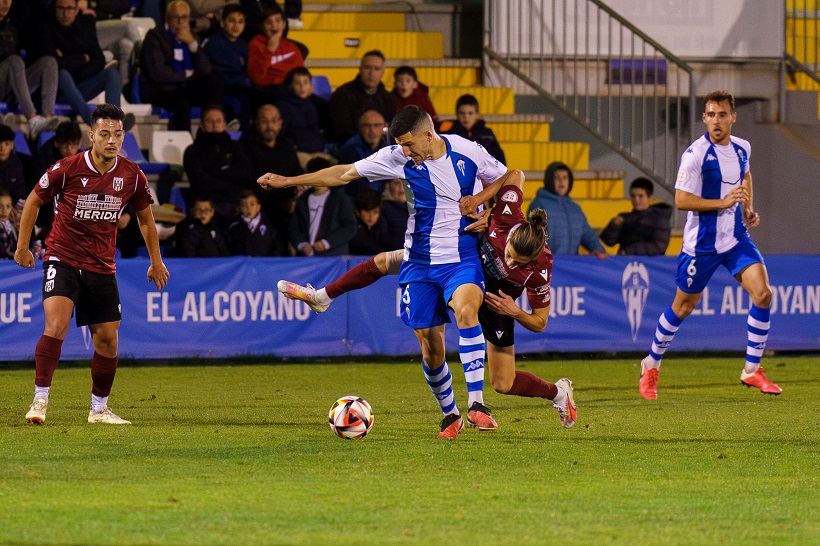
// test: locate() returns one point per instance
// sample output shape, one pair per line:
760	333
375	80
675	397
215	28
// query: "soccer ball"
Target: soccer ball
350	417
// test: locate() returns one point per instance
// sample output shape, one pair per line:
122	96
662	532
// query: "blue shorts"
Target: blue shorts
427	290
694	272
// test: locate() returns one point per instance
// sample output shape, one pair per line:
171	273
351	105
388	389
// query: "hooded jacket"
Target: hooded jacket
567	225
643	233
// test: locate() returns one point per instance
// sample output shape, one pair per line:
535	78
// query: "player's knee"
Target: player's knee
467	315
106	345
762	297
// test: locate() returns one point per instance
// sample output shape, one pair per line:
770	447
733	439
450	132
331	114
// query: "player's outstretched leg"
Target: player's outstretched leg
564	402
318	300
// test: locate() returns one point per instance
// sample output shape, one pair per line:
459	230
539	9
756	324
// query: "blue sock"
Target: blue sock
441	384
471	347
668	325
758	327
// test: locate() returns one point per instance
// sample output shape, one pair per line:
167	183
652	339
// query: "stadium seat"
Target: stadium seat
43	137
169	146
20	143
321	87
131	150
235	135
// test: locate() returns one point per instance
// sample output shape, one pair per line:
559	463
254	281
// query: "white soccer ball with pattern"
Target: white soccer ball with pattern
350	417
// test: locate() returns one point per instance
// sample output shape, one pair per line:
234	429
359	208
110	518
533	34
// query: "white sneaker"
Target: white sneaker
38	124
37	413
106	416
567	410
13	120
306	294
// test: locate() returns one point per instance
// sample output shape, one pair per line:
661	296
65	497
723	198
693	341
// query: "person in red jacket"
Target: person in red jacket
270	55
409	90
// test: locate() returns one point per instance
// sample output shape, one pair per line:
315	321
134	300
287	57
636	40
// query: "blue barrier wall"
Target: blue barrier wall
224	307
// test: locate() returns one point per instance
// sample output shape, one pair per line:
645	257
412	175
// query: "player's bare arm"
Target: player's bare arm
157	272
689	201
503	304
751	217
338	175
469	203
23	256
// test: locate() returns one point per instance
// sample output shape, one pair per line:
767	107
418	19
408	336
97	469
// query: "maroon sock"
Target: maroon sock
527	384
102	374
364	274
46	357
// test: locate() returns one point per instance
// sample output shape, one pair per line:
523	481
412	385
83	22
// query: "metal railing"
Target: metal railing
601	71
802	41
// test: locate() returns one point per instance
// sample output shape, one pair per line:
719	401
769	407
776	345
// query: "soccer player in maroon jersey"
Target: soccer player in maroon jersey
89	190
515	257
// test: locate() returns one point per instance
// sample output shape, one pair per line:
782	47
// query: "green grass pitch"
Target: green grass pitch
244	455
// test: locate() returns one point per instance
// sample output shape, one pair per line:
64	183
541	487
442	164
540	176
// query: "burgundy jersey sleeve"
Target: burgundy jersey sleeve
51	183
142	194
507	211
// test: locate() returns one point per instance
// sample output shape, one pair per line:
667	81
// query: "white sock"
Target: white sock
560	398
98	403
321	297
41	392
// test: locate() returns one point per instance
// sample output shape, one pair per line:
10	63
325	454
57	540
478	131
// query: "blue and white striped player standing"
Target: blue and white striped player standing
441	266
715	185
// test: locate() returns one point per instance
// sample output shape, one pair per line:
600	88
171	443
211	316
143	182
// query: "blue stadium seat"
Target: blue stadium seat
321	87
20	143
43	137
235	135
131	150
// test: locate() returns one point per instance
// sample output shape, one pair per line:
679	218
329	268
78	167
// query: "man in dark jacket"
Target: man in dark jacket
366	92
217	166
645	231
371	136
323	223
71	37
176	72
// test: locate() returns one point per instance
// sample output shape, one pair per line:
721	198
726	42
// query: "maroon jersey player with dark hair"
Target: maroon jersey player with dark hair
89	190
515	258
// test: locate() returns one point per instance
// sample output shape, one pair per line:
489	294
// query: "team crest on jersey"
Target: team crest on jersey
460	166
118	182
510	196
44	181
682	175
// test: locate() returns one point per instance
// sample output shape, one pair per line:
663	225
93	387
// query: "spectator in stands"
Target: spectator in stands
371	234
253	13
270	55
567	226
323	223
217	166
118	30
71	38
11	168
200	235
646	230
305	117
470	126
269	151
409	90
176	72
8	229
354	98
20	81
395	212
227	52
371	136
251	233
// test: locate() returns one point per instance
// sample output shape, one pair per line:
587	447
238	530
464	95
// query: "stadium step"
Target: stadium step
590	184
533	156
352	44
491	100
354	20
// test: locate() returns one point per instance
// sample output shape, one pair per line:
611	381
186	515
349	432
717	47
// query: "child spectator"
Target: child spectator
305	117
11	168
200	236
8	231
409	90
251	233
395	212
646	230
228	54
371	236
270	55
470	126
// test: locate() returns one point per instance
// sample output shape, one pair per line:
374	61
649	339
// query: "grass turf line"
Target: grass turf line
230	455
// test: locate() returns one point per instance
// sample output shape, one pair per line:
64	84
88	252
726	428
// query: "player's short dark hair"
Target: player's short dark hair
530	237
271	10
467	100
720	96
368	200
107	111
316	164
298	71
232	8
373	53
642	183
67	131
409	120
6	133
408	70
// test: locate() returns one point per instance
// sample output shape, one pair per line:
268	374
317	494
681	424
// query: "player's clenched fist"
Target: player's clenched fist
270	181
159	275
24	257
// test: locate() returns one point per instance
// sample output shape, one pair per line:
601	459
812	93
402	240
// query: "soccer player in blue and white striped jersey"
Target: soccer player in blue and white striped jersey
715	185
441	266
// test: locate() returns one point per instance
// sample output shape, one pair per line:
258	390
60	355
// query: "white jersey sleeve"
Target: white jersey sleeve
690	177
385	164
